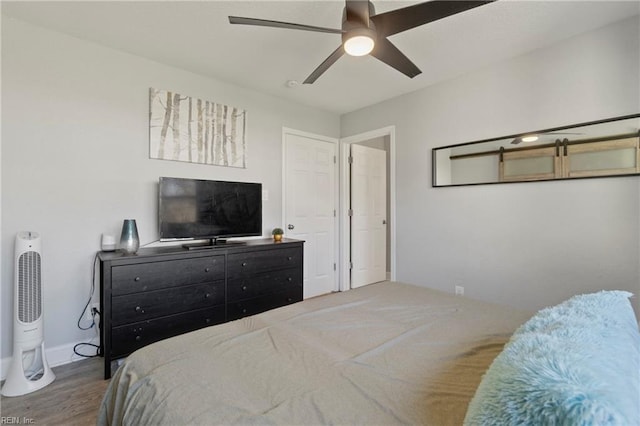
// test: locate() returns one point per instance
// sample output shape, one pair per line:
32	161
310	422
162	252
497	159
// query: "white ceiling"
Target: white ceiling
196	36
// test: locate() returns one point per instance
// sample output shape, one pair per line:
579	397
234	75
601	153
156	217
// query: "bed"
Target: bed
387	353
392	353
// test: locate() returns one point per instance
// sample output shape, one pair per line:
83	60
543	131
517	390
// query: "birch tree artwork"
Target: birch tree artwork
182	128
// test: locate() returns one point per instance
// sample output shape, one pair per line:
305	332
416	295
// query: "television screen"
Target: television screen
198	209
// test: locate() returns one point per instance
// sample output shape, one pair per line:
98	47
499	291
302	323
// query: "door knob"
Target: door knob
290	226
384	222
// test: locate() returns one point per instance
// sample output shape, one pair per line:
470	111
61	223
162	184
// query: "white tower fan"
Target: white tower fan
29	370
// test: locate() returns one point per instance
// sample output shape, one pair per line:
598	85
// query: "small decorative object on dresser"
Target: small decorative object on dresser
108	242
277	234
129	241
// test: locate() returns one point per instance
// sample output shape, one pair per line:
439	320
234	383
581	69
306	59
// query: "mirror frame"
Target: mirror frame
520	135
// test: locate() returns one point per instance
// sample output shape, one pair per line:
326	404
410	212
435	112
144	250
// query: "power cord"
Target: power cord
94	312
93	286
148	244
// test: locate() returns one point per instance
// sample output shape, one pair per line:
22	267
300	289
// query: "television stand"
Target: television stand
211	243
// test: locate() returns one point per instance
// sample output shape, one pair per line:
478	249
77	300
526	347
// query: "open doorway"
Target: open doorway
367	237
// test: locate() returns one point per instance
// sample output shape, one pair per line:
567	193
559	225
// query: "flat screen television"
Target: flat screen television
208	209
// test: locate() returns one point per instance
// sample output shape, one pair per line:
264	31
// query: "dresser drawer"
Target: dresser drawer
127	338
237	310
143	306
129	279
240	264
262	284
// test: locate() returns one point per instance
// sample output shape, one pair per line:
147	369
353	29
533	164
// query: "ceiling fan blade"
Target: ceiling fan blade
396	21
357	11
325	65
277	24
385	51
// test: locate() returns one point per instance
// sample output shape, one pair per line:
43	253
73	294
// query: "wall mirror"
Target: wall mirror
600	148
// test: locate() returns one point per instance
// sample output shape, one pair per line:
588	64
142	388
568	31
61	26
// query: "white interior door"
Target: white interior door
368	215
310	207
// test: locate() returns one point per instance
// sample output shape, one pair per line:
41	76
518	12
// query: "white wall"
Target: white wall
529	244
75	157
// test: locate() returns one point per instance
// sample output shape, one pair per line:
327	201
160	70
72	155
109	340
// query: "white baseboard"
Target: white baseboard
57	355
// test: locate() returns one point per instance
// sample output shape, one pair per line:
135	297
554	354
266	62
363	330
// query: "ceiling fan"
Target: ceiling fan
363	32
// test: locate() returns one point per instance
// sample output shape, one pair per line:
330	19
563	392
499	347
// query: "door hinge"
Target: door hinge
350	265
334	212
350	159
350	212
334	159
334	266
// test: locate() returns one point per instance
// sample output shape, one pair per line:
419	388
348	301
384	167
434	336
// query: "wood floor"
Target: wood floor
72	399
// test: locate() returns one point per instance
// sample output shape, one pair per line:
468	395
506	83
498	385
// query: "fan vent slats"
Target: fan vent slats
29	288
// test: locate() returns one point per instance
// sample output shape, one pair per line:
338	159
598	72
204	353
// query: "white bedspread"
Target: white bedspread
388	353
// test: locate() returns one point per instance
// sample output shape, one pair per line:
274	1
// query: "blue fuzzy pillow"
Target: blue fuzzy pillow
577	363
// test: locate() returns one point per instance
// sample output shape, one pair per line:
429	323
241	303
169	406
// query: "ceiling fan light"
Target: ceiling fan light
359	45
530	138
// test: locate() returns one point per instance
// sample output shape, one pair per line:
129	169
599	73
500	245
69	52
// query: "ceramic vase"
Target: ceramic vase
129	240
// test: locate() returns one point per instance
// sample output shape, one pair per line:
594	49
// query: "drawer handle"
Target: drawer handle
244	311
289	299
208	295
289	279
207	269
289	257
136	279
138	338
208	320
244	288
139	309
244	263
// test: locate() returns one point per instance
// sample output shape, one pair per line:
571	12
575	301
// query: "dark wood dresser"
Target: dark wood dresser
165	291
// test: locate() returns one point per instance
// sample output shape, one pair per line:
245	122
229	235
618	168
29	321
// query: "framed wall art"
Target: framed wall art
183	128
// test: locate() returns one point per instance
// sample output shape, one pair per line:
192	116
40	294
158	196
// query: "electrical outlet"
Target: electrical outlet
459	290
90	308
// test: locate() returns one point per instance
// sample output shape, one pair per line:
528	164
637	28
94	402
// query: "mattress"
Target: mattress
387	353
